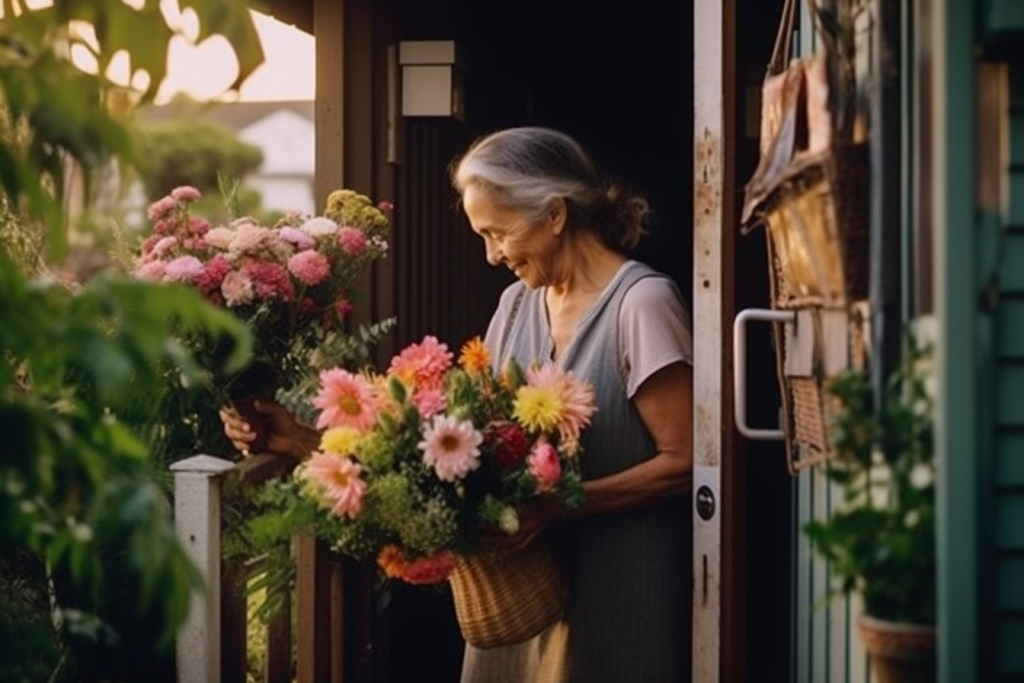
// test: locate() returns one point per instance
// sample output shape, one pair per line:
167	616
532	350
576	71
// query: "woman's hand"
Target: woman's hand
284	433
534	516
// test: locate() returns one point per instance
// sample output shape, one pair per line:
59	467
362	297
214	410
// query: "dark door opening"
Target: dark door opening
621	82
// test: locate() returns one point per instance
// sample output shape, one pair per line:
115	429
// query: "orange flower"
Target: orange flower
474	357
391	561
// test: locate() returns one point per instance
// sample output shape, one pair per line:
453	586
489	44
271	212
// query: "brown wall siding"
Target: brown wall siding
443	284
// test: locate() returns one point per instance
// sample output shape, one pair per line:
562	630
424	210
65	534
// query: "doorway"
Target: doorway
621	82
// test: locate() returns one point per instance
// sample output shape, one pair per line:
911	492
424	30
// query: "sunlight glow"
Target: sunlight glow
206	70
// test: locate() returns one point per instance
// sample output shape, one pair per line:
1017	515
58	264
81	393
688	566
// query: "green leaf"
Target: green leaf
233	21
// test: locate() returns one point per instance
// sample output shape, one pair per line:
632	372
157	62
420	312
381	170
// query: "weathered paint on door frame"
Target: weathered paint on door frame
712	272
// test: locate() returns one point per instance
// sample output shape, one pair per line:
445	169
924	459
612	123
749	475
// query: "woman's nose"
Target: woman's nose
494	255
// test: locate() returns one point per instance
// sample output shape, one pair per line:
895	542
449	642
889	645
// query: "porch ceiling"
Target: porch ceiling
297	12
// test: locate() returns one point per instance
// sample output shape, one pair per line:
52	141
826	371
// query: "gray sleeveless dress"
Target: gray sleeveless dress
629	617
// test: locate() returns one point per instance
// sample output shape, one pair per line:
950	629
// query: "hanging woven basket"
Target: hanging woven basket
503	598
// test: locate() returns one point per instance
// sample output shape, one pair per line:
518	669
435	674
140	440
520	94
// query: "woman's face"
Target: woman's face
526	247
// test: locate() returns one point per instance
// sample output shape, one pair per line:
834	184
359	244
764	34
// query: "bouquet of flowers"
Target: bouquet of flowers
292	283
416	463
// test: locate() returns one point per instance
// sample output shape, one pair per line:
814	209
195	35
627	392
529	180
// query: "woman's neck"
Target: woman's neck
588	266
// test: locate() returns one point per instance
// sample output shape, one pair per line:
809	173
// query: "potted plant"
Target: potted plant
880	542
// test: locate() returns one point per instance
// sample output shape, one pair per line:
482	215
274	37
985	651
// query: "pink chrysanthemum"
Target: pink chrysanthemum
183	269
451	447
163	245
577	398
338	482
422	365
185	193
249	237
151	270
220	238
213	274
310	267
198	226
352	241
161	207
319	226
271	281
296	237
149	243
236	288
429	401
345	400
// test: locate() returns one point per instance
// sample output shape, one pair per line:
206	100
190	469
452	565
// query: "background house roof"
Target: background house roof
234	115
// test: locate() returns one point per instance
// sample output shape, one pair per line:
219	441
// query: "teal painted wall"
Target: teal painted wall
1006	482
948	43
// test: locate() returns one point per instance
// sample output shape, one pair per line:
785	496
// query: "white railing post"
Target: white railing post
197	519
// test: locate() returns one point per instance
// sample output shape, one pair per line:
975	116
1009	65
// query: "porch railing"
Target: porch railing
212	645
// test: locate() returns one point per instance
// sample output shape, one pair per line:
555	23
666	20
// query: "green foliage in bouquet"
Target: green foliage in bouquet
881	541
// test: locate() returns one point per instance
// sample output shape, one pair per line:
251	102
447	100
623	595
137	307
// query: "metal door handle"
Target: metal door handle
739	358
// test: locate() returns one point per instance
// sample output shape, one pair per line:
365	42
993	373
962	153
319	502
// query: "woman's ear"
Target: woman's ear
558	213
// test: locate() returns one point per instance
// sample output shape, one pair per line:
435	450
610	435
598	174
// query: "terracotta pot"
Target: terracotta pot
900	653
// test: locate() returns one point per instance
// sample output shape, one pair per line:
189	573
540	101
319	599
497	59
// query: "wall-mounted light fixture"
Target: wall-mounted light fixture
432	78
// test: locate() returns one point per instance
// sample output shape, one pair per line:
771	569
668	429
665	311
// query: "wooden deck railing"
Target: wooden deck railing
212	645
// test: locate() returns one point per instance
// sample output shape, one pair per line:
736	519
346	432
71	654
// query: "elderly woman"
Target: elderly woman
535	198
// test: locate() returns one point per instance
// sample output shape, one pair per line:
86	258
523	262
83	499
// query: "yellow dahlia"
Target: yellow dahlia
538	409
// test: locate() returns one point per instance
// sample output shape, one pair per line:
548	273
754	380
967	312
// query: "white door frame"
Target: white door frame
709	131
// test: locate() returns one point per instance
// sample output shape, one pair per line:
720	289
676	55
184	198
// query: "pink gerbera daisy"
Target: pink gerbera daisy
338	481
345	400
423	365
451	447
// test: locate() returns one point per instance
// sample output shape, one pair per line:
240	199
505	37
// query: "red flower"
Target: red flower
509	443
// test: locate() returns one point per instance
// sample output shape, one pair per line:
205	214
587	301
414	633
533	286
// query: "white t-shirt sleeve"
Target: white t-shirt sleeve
654	330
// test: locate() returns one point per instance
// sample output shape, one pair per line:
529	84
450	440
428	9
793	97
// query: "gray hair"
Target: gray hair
529	168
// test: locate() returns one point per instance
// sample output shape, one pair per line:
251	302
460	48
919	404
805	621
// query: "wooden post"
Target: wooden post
197	519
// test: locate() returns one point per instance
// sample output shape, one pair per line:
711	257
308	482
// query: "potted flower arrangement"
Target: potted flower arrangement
418	462
881	542
292	283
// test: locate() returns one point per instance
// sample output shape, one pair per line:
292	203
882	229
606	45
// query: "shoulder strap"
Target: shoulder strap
511	319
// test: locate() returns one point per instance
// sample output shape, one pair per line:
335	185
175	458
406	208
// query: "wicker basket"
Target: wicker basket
503	598
818	224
